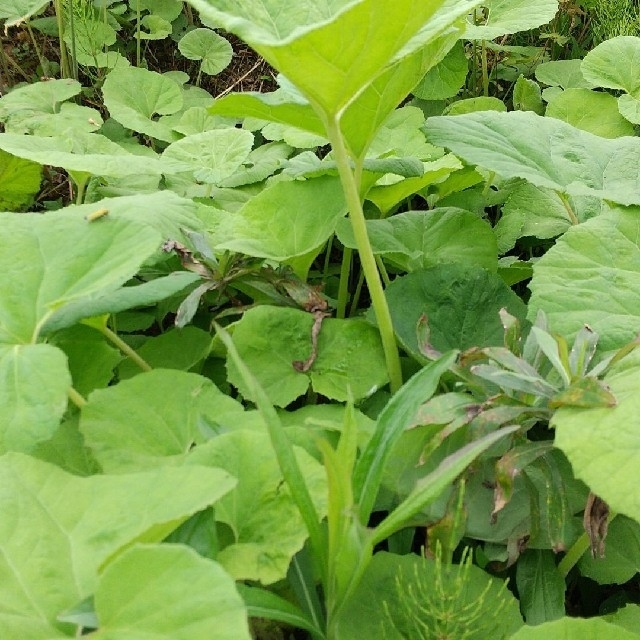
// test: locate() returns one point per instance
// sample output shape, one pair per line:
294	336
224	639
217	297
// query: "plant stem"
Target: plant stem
356	295
565	201
374	283
343	288
65	69
124	347
76	398
138	57
485	69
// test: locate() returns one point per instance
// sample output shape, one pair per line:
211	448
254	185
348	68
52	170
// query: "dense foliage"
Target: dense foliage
350	358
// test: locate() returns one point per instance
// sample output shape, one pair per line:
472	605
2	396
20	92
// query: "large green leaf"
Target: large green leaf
263	528
34	382
614	64
545	151
206	45
197	598
575	629
285	220
82	152
412	597
349	362
343	52
57	259
419	239
134	96
446	78
590	111
502	17
461	304
591	276
602	443
155	419
212	155
69	526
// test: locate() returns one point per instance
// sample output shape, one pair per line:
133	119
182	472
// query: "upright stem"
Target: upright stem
343	287
65	69
138	56
485	69
371	274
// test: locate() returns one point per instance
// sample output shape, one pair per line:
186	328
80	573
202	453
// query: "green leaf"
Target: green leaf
158	28
398	416
589	277
179	348
167	9
540	586
562	73
38	97
15	12
614	64
412	597
91	359
59	259
601	444
198	600
527	96
622	554
498	18
134	96
419	239
544	151
345	78
461	302
628	617
74	526
212	155
34	382
264	528
447	77
590	111
266	604
574	629
471	105
83	152
269	340
172	411
286	219
19	182
206	45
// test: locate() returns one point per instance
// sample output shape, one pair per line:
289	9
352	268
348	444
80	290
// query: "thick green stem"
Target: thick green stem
371	274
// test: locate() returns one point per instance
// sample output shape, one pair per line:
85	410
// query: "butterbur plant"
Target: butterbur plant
339	77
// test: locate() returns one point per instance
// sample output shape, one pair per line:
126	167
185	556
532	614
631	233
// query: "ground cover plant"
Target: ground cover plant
349	355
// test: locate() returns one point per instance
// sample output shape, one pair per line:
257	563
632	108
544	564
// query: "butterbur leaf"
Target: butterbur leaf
55	264
34	382
72	531
601	442
134	96
198	599
270	339
613	64
589	276
462	303
446	78
169	409
589	629
206	45
15	13
263	528
19	182
502	17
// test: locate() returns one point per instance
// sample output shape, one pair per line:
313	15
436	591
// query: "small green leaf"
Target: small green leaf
206	45
527	96
540	586
562	73
134	96
471	105
570	628
445	79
